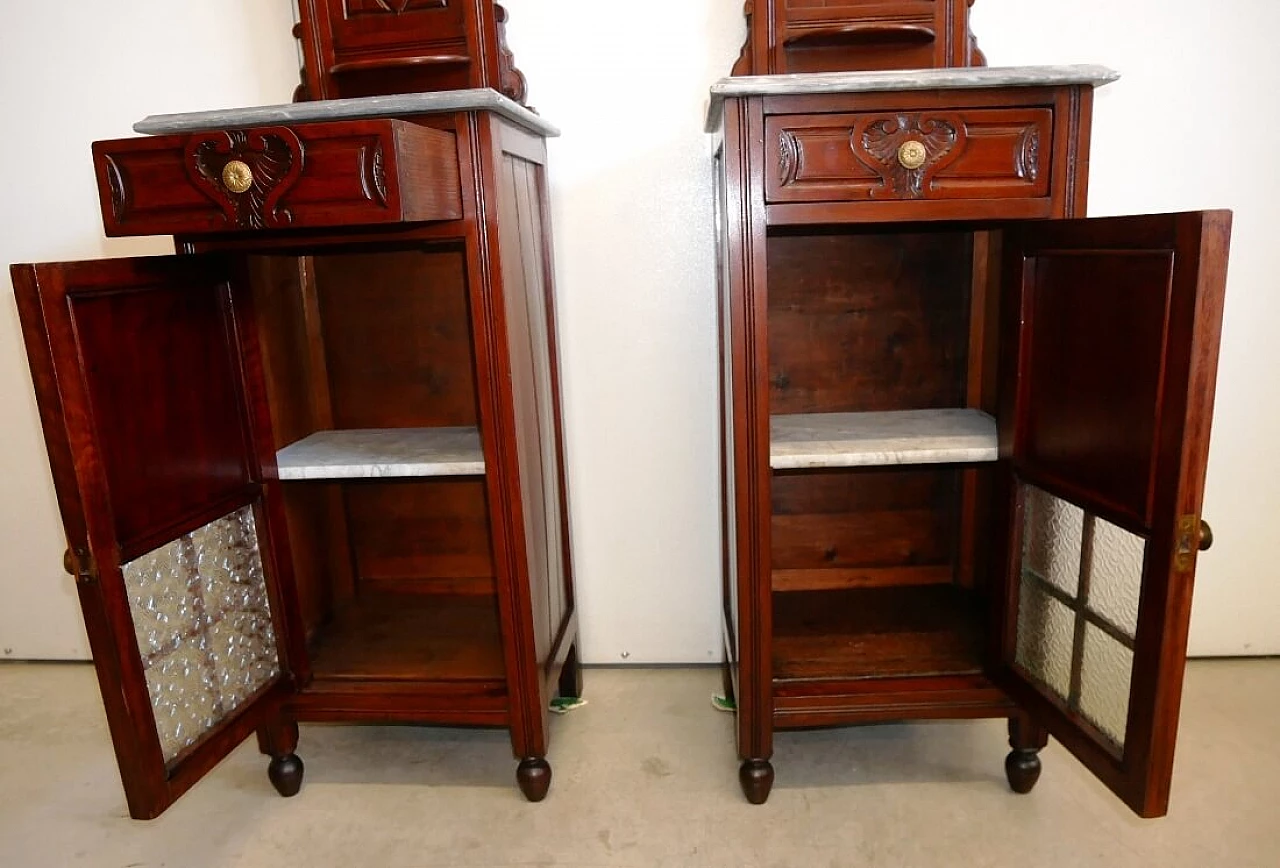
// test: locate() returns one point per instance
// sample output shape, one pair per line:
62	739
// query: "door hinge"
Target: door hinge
80	564
1193	535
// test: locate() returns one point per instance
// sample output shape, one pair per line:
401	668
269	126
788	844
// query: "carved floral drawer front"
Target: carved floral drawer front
272	178
905	155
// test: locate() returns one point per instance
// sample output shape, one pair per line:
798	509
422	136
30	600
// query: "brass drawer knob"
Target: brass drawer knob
237	176
1206	536
912	154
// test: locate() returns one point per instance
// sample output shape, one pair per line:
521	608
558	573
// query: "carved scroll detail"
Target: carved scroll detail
511	81
115	182
790	157
274	155
377	173
1026	161
877	144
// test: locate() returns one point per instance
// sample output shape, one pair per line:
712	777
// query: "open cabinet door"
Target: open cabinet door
153	418
1107	400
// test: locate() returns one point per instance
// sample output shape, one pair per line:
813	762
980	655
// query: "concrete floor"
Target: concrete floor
645	776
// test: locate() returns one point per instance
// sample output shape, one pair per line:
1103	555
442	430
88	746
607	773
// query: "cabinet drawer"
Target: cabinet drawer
270	178
992	153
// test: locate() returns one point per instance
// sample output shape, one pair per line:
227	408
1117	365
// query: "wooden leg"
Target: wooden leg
279	740
571	675
534	777
756	777
1022	766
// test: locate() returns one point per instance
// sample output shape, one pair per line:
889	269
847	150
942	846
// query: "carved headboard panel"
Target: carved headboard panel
846	35
374	47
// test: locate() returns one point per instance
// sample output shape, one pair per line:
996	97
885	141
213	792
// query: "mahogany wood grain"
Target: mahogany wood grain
121	501
876	633
797	36
345	173
1176	410
412	306
421	537
373	47
863	528
383	636
862	321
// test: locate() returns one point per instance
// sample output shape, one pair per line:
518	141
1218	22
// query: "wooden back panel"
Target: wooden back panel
792	36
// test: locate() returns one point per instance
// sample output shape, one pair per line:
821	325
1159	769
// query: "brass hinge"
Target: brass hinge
80	563
1193	534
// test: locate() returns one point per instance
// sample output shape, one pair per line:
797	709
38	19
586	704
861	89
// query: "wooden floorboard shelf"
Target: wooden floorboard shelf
411	637
876	633
379	453
818	440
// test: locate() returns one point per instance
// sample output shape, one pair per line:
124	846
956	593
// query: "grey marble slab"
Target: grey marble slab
880	439
958	78
394	106
377	453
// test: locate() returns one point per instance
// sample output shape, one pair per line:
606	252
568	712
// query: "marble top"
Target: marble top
377	453
394	106
875	439
955	78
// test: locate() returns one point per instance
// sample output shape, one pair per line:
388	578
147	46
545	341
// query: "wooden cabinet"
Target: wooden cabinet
311	468
963	449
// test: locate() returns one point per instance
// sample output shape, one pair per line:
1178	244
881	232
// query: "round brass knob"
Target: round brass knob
912	154
1206	536
237	176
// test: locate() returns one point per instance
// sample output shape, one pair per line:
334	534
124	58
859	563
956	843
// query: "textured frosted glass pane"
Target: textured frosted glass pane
1104	683
1046	634
1051	539
203	625
1115	577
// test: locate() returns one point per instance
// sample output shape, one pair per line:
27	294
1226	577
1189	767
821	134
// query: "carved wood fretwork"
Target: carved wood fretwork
511	81
1027	158
274	155
876	143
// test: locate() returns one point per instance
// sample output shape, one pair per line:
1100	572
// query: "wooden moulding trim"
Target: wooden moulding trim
846	34
379	63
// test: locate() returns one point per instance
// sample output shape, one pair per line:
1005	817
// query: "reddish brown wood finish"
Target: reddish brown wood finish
125	486
969	154
1144	298
791	36
348	173
358	48
427	601
851	283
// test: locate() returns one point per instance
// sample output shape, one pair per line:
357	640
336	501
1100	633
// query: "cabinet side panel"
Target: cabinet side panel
520	226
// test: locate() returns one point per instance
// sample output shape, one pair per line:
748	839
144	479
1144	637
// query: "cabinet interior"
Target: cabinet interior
881	388
370	371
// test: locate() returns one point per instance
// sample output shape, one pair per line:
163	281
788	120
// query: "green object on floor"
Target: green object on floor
723	703
566	704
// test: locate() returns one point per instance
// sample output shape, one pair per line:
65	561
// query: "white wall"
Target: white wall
1187	127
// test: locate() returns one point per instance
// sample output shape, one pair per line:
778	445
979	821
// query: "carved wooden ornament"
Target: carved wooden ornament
247	172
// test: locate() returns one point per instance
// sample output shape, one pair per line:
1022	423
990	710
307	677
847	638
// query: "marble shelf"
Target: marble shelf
957	78
378	453
819	440
395	106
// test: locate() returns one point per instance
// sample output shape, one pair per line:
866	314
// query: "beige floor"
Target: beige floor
644	776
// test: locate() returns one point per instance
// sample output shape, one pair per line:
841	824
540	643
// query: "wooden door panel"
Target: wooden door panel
144	387
1110	360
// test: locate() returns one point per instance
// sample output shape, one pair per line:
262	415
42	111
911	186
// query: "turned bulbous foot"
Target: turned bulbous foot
1022	767
756	777
534	777
285	773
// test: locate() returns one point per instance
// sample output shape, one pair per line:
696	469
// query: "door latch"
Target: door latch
1193	534
80	564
